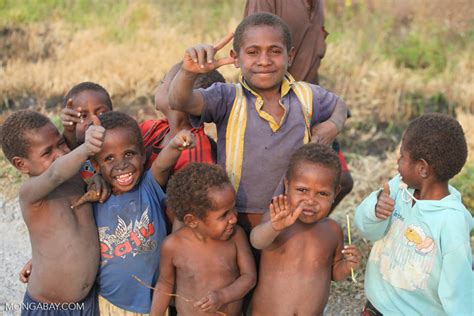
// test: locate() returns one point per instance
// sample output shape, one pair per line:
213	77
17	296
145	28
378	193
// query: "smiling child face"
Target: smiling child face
263	57
121	160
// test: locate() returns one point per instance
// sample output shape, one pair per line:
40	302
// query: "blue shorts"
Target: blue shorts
88	306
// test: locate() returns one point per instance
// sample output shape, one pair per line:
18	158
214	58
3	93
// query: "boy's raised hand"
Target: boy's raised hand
183	140
94	137
70	117
385	204
200	58
280	213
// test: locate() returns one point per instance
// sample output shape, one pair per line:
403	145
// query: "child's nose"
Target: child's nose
264	60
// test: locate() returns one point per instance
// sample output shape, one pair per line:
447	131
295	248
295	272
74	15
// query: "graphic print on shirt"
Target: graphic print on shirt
405	256
127	239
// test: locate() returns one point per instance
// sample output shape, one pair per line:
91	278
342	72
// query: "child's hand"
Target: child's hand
97	191
325	133
210	303
94	137
25	272
183	140
280	213
351	256
70	117
385	204
200	58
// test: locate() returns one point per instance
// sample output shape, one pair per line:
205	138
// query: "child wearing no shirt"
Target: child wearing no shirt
208	260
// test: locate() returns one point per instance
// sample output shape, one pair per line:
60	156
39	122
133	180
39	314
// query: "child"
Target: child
262	120
64	241
157	133
421	260
131	222
209	259
302	249
83	101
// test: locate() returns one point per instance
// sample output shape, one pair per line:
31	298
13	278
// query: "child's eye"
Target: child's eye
303	190
276	51
129	154
46	153
251	52
108	158
324	194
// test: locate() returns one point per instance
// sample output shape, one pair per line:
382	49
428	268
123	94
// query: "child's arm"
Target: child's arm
164	287
372	216
456	278
345	257
263	235
63	168
69	119
161	167
242	285
197	59
325	132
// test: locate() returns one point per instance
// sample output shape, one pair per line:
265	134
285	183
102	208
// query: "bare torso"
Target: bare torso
295	271
203	267
65	245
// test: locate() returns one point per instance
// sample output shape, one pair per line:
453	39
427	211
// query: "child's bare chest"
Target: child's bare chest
212	264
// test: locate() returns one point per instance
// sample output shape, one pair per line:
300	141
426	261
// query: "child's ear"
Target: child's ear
20	164
95	164
291	56
337	191
285	185
424	169
190	220
234	55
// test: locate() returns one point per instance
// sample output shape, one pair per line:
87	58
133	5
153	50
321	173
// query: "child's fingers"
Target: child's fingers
224	61
95	120
210	52
191	52
223	42
386	188
201	301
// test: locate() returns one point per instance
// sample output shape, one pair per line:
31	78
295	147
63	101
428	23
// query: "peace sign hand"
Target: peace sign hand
200	58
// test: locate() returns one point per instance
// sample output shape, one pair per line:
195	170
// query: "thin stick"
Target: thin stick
169	294
350	243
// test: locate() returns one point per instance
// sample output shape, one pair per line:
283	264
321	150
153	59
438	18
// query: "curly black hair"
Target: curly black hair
116	119
13	132
260	19
317	154
187	191
439	139
88	86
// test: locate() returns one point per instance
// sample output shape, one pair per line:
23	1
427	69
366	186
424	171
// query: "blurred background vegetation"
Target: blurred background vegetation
390	60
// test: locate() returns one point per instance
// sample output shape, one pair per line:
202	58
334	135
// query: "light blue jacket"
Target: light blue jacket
421	261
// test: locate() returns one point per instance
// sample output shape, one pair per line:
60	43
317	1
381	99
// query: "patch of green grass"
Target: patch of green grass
464	182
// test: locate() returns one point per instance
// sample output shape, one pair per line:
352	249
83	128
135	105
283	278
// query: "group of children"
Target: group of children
274	183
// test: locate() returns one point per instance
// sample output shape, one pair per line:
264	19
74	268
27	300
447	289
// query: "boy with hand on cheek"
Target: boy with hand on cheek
131	222
65	249
208	261
302	249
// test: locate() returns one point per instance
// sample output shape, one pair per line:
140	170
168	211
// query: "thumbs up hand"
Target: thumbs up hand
385	204
94	136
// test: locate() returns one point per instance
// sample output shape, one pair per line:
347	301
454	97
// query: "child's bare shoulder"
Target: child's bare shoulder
329	224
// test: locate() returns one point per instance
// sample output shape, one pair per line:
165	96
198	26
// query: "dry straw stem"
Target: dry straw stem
187	300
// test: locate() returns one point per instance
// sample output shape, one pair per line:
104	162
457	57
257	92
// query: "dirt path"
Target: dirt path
14	253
